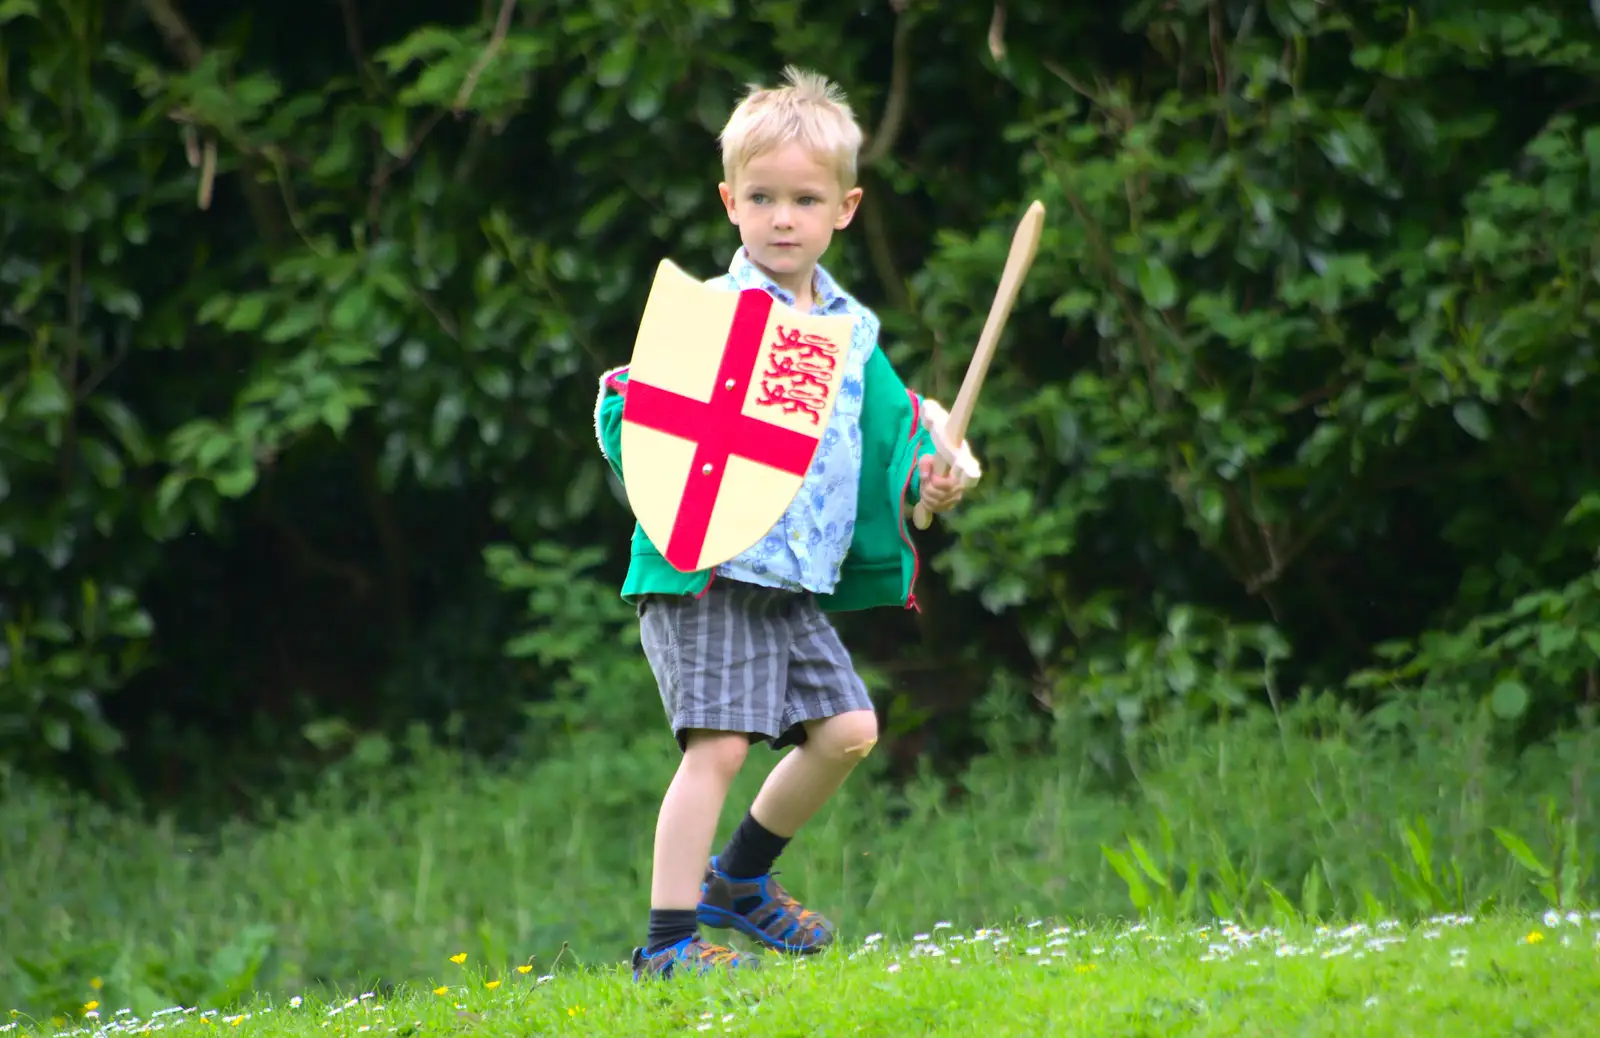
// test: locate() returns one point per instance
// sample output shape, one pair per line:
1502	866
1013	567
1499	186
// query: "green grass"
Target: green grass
1449	976
374	882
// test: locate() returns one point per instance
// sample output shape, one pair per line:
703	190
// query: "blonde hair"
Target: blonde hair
810	110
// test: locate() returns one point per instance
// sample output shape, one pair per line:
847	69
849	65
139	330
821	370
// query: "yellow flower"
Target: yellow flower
458	958
441	990
1535	937
574	1010
95	983
89	1007
491	984
524	969
1087	967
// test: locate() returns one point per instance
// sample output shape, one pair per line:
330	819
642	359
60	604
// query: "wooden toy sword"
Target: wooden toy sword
949	430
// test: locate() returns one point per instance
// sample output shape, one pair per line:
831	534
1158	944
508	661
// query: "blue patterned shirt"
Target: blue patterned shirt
805	549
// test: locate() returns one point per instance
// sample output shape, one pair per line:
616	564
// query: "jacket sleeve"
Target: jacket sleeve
608	416
895	412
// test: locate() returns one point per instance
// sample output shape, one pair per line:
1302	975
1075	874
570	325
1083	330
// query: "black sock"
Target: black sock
751	850
669	926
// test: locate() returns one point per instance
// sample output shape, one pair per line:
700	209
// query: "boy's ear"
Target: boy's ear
726	192
847	208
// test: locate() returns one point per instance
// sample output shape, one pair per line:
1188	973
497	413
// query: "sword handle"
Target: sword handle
956	455
1024	246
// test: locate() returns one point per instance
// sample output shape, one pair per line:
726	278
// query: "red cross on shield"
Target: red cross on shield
727	398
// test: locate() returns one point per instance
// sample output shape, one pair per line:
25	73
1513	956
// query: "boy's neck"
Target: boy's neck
800	284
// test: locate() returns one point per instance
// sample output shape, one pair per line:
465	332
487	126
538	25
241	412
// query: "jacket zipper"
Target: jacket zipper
916	560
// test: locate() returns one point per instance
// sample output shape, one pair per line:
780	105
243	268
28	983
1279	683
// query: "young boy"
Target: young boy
747	653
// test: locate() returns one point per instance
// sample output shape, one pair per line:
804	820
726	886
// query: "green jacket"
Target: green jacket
881	566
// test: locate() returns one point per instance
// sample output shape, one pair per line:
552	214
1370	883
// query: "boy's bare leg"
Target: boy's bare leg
741	892
685	827
813	771
687	822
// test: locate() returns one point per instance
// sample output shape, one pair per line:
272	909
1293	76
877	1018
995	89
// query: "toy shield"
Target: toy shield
727	398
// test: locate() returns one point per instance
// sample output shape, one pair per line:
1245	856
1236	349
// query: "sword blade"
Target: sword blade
1024	246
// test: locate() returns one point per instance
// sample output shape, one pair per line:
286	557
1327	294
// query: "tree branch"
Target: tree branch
381	178
497	39
894	109
879	145
183	42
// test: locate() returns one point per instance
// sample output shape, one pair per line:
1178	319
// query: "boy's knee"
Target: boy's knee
722	752
851	736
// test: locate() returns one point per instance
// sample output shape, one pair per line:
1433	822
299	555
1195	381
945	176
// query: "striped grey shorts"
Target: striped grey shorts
743	658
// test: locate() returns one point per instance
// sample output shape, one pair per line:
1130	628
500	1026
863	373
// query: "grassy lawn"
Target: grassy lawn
343	916
1454	976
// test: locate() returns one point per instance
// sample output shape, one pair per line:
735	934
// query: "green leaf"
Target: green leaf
45	396
1156	283
11	10
1470	415
298	319
1521	852
1213	507
353	308
336	413
1182	672
1138	892
1591	152
124	425
102	462
395	141
603	213
247	315
213	449
1556	638
496	382
1509	700
447	415
235	482
615	63
133	625
1280	904
1329	214
1074	304
1147	865
1311	892
169	490
57	734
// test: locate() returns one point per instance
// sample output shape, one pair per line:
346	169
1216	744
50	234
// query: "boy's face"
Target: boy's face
787	203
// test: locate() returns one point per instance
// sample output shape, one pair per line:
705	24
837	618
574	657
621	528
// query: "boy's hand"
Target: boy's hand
939	493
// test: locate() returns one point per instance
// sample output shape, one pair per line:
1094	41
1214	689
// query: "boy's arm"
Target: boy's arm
608	416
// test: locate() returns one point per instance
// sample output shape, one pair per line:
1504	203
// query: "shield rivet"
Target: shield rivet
706	468
729	384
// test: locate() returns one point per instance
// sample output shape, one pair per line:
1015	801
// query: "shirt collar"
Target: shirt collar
828	294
